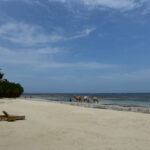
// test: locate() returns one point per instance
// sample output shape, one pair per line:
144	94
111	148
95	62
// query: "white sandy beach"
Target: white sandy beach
54	126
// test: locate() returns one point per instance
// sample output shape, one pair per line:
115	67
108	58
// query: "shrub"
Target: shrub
9	89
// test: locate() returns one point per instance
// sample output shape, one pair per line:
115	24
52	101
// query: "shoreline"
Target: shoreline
123	101
138	109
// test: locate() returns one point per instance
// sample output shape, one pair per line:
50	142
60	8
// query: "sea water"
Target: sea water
121	99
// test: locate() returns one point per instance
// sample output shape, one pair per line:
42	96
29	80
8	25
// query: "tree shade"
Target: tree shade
9	89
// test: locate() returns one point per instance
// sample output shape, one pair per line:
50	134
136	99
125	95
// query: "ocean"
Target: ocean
120	99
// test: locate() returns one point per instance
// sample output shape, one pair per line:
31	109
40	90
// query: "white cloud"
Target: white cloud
19	32
32	57
37	58
48	50
79	65
115	4
28	1
123	5
30	35
84	33
63	1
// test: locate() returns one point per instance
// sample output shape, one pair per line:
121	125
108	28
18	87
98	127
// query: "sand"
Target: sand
54	126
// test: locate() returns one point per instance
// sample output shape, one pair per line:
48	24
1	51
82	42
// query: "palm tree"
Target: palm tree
1	75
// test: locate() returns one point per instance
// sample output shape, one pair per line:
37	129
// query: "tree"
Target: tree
9	89
1	75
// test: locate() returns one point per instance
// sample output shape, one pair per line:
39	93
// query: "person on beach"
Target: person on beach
70	100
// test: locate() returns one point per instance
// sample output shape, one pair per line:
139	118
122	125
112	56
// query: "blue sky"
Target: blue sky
76	45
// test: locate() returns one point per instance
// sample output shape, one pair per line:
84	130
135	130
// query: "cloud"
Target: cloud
30	35
123	5
32	57
37	58
26	34
84	33
120	5
114	4
79	65
28	1
47	50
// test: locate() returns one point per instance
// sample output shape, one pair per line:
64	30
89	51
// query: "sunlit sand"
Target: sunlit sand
54	126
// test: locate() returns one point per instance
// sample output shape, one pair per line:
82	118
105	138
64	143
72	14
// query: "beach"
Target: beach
55	126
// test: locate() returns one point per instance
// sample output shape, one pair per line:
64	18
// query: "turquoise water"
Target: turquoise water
125	99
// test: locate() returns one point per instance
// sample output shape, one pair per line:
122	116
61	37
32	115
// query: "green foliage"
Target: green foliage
1	76
9	89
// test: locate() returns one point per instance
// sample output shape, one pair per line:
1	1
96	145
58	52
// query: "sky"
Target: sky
75	46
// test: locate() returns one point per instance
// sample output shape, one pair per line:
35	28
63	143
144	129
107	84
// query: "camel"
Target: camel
86	99
78	98
95	99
